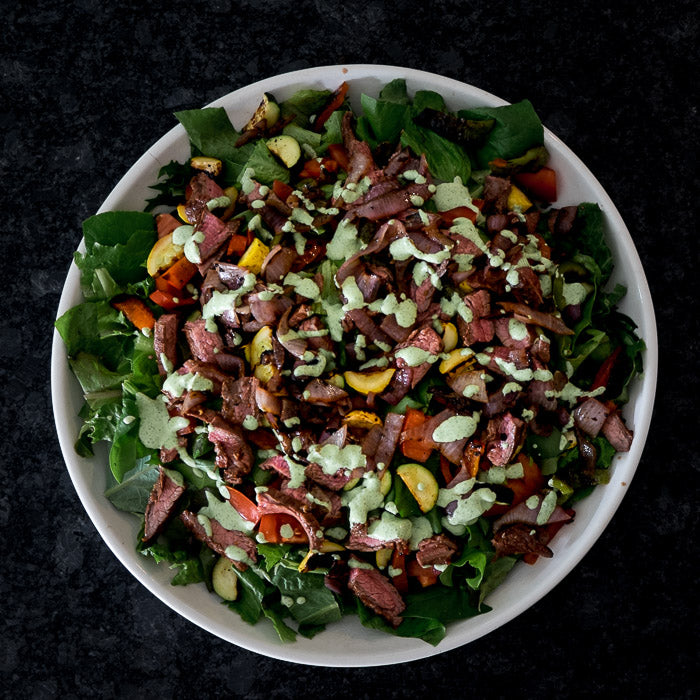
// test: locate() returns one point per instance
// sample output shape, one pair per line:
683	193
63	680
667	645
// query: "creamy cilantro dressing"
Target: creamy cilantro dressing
221	302
366	496
404	249
345	242
333	459
226	515
456	428
178	384
389	527
304	286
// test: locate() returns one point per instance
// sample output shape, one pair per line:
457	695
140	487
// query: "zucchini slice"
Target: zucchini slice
266	115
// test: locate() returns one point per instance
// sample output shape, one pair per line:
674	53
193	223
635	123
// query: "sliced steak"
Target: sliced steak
504	433
276	501
220	538
520	539
204	344
438	549
165	343
377	593
590	416
240	402
234	455
161	503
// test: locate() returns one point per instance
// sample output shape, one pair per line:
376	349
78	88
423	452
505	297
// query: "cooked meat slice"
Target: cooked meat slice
520	539
161	503
165	343
495	195
204	344
220	538
239	400
438	549
276	501
504	433
233	453
590	416
377	593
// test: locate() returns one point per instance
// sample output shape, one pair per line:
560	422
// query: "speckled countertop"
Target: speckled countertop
87	87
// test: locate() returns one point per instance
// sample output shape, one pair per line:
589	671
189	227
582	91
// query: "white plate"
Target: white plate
347	643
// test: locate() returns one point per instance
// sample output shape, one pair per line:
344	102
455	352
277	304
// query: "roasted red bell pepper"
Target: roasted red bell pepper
313	251
336	101
602	376
411	440
531	483
542	184
398	563
237	245
450	215
270	525
170	301
282	189
426	575
243	505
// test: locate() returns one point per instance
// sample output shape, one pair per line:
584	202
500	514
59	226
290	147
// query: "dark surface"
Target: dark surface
87	90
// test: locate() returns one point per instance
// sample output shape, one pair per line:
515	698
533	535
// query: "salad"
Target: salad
353	363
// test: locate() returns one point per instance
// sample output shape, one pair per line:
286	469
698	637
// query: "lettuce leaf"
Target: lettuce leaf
517	129
117	244
446	160
210	132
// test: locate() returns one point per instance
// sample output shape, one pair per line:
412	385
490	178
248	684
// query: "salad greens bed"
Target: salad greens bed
492	372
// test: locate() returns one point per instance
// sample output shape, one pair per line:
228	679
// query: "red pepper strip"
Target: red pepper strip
237	245
450	215
136	311
336	101
426	575
169	301
243	505
339	155
312	168
602	376
398	562
313	251
411	440
179	273
531	482
541	184
270	525
282	189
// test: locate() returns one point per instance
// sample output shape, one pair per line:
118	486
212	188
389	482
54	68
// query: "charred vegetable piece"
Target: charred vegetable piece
286	148
266	115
